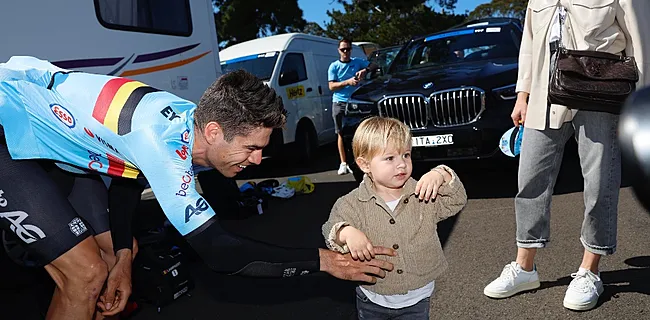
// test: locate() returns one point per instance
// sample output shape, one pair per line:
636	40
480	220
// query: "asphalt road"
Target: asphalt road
477	243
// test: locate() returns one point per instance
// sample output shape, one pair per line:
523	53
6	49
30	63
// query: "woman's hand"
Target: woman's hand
519	111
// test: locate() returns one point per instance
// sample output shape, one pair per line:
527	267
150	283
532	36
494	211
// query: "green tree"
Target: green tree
501	8
315	29
388	22
242	20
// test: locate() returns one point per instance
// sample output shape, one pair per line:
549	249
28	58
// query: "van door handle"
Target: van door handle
320	90
309	89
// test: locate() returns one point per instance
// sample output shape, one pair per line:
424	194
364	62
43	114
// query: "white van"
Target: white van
368	47
169	45
295	65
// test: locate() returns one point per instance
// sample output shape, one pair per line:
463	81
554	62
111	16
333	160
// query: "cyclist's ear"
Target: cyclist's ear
213	132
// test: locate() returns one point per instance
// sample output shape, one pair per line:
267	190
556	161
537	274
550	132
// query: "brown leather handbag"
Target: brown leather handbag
591	80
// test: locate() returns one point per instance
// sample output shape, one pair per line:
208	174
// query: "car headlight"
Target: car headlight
358	107
506	92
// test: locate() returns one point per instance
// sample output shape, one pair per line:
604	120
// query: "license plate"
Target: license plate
432	141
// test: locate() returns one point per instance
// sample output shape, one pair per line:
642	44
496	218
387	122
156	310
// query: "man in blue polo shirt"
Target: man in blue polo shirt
344	76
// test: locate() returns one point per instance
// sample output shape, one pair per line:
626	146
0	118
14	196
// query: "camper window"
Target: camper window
161	16
293	69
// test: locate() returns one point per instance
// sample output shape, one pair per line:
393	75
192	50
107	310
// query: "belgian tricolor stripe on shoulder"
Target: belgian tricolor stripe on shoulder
114	108
117	101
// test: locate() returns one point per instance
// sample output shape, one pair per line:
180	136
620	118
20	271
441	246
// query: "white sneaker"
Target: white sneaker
344	169
513	279
583	291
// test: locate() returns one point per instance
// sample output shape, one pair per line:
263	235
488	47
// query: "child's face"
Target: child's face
391	169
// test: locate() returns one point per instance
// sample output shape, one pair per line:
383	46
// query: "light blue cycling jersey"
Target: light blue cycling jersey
104	124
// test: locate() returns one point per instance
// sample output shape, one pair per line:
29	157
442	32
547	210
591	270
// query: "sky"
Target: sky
316	10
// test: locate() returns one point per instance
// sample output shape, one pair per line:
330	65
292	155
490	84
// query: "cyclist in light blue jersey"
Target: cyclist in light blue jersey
60	130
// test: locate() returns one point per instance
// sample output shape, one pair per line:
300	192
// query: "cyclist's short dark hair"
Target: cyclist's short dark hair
240	102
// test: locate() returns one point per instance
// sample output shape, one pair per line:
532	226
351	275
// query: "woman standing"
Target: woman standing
599	25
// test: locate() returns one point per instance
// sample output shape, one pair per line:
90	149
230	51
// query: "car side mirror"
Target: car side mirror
374	74
288	77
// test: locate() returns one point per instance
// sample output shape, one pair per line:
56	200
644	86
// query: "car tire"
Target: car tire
306	143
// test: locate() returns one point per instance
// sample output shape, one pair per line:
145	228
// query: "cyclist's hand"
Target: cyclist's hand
118	286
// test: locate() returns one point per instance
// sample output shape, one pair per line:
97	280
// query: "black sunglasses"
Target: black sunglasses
345	49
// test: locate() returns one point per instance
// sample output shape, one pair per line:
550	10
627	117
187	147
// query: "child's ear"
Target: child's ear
363	164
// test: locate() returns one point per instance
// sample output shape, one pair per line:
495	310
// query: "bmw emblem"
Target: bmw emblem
427	85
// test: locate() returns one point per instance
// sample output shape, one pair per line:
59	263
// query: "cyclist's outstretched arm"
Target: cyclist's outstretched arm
168	168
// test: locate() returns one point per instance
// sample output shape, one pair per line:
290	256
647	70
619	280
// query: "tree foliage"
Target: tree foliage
315	29
388	22
242	20
501	8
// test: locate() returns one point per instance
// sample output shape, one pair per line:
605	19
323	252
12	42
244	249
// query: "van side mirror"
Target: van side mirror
288	77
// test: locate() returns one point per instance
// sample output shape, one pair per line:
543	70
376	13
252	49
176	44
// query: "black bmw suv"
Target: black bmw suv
455	89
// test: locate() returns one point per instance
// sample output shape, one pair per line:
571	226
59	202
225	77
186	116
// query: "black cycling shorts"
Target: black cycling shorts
49	210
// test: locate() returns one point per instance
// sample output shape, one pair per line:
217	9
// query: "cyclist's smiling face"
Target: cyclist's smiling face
231	157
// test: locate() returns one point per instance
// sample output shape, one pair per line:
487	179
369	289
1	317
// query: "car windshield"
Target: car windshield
261	65
472	44
384	57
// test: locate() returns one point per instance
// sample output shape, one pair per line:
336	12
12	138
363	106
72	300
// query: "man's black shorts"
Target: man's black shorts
338	110
47	209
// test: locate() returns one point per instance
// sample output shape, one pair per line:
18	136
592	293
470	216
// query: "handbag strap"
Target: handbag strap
562	17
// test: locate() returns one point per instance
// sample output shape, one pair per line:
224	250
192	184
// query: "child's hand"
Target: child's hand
427	187
358	244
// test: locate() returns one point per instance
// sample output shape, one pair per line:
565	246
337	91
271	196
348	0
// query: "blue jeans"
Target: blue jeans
600	160
368	310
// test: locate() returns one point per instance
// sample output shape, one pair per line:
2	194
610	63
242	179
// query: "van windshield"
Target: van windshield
261	65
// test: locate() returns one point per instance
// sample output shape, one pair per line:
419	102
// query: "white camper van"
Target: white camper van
295	65
169	45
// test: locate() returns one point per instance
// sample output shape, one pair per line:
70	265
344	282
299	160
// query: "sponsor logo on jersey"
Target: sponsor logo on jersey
182	153
102	141
89	133
116	166
63	115
95	161
185	136
169	113
200	207
186	179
